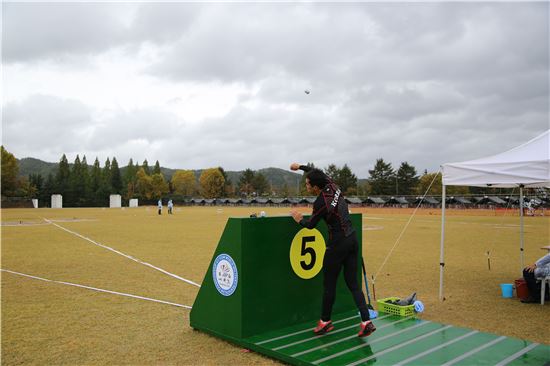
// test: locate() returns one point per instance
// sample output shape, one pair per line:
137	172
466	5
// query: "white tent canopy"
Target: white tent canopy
527	165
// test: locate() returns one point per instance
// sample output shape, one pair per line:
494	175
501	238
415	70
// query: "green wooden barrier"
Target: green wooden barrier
258	280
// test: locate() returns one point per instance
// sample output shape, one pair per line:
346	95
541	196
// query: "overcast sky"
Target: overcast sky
223	84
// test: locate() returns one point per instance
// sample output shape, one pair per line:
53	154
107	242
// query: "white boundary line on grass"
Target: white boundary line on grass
97	289
122	254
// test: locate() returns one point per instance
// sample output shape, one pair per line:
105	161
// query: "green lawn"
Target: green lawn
51	323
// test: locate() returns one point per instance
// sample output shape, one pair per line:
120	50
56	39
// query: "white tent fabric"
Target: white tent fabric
527	165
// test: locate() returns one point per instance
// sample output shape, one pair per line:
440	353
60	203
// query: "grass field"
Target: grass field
53	323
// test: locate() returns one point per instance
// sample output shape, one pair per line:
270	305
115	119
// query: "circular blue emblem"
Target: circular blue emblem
225	274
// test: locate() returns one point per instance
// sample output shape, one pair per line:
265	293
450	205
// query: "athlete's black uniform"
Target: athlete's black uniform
342	247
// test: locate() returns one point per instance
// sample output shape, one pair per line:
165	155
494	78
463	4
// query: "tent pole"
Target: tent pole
441	249
521	227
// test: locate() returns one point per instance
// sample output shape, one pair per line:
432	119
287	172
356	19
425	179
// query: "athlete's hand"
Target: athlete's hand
294	166
297	216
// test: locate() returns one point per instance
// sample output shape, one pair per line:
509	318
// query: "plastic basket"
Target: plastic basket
384	307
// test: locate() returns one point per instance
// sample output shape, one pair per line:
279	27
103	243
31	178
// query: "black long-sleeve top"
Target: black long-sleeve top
331	206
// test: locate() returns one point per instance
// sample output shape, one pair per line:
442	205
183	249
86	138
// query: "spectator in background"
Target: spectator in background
539	269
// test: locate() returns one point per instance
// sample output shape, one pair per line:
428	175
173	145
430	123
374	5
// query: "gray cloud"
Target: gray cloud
425	83
43	125
33	31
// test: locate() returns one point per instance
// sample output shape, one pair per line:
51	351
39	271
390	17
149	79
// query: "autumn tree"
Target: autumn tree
431	181
212	183
10	170
144	184
184	182
129	179
159	186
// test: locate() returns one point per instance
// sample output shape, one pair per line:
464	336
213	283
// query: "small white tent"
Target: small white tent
527	165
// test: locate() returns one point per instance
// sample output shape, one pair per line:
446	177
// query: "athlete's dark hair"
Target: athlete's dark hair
317	178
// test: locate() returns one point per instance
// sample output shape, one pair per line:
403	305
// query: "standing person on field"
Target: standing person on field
170	207
342	247
160	206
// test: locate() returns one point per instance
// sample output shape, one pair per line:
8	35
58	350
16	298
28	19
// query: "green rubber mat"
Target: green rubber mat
397	341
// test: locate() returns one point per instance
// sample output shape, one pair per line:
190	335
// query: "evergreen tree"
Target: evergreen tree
85	179
260	183
156	169
347	180
246	180
407	180
49	189
95	184
333	172
106	179
116	179
75	196
228	185
382	178
145	167
62	178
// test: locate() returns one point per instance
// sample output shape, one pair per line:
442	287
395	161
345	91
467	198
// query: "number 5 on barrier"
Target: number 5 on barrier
307	252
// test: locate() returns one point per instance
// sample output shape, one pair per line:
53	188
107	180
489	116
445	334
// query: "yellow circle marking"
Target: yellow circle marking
307	252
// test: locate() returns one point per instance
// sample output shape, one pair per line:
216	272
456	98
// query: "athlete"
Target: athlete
342	247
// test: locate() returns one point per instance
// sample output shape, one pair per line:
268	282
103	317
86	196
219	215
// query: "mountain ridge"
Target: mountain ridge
276	177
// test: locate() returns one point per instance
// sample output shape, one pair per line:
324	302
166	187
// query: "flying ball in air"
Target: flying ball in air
307	91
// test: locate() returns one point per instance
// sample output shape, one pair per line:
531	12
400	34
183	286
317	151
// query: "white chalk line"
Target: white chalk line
97	289
123	254
25	224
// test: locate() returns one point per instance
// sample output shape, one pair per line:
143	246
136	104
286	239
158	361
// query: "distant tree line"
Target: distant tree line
83	185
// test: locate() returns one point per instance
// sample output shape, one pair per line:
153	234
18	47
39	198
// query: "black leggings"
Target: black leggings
342	253
533	285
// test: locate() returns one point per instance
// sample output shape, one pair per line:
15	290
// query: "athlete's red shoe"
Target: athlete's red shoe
323	327
366	329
